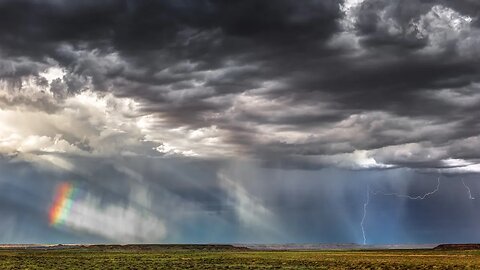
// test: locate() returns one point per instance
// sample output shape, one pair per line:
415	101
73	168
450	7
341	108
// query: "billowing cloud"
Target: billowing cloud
231	83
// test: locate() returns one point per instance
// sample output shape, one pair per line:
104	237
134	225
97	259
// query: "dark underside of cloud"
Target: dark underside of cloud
254	120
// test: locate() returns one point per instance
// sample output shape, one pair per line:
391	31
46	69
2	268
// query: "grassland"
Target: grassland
194	258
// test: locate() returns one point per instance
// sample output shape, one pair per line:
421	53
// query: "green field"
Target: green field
180	258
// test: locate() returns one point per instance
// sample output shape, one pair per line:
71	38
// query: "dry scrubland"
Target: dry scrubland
231	258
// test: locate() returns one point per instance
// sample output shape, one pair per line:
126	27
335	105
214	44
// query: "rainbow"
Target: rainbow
62	204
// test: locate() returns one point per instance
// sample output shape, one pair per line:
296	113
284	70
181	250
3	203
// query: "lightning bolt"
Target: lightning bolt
469	192
398	195
365	206
419	197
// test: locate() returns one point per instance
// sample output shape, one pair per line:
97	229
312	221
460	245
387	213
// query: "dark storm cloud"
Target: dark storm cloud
134	26
188	62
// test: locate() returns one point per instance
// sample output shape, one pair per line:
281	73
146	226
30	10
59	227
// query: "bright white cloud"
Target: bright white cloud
443	26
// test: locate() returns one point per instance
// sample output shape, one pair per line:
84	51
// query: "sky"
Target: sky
222	121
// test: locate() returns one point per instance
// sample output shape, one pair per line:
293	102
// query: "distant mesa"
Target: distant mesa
457	247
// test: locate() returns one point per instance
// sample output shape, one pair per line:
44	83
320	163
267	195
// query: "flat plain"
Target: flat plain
213	257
